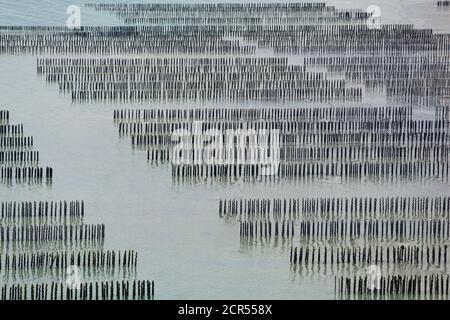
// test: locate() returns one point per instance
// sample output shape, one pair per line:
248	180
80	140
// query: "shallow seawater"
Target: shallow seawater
175	227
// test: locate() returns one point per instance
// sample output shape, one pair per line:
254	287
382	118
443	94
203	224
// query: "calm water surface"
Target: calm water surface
182	243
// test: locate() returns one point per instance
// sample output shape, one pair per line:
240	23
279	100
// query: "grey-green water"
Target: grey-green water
182	243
